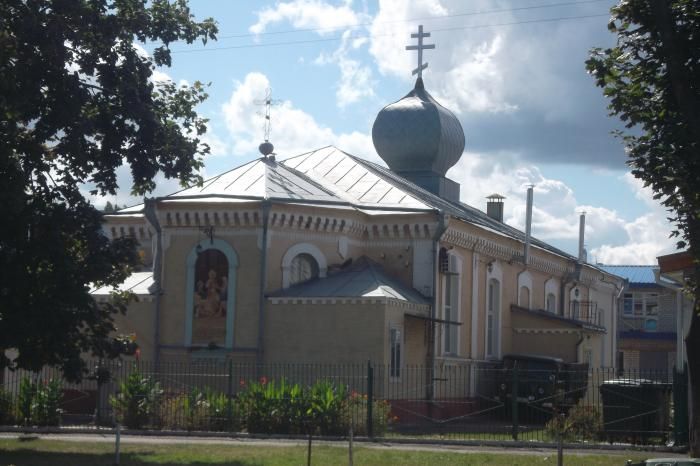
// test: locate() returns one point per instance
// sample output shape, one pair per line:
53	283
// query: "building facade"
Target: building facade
326	257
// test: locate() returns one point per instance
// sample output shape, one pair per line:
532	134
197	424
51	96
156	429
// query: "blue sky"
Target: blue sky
512	71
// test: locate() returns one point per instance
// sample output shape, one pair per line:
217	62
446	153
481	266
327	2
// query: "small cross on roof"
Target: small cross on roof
420	47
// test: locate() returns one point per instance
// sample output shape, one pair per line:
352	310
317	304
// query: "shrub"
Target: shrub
25	399
138	401
356	413
46	410
278	407
39	403
200	410
6	407
582	423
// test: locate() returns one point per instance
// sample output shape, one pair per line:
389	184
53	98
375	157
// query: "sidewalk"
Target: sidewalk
261	443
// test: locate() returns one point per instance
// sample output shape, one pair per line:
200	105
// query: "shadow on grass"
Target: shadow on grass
27	457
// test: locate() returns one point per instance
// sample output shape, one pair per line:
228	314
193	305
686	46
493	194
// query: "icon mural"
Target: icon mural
210	298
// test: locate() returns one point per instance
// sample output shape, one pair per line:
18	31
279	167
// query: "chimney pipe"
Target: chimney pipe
528	225
581	235
494	207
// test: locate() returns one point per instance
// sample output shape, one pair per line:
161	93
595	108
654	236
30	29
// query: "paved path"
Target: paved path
238	441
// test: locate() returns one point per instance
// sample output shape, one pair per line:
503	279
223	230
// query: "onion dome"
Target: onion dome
417	134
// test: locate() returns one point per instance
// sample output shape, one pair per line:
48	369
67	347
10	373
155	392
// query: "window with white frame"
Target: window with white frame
395	352
524	297
302	268
551	304
451	306
641	304
493	311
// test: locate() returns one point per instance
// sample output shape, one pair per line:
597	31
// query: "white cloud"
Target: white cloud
610	238
355	78
308	14
293	131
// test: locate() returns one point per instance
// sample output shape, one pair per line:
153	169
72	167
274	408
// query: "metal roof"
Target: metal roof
138	283
362	279
635	274
330	176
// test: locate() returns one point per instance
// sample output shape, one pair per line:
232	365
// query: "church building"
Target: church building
324	257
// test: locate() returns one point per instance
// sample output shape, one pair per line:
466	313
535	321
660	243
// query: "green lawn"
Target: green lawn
59	453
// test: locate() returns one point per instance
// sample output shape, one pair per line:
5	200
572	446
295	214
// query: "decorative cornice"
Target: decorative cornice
547	331
504	252
353	301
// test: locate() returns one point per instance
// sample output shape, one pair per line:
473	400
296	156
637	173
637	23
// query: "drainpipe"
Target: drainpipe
443	222
528	227
156	288
266	204
581	237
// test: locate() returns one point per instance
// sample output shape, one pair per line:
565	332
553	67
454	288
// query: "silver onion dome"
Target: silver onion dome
416	133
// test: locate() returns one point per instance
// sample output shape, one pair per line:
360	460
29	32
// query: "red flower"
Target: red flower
263	380
242	383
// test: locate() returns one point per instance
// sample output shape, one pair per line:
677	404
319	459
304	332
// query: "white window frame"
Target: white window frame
452	311
551	286
302	248
525	281
396	364
495	273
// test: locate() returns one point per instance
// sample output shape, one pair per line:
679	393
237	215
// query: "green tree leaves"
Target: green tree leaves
77	100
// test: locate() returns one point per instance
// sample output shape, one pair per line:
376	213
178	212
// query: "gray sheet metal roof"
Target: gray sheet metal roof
331	176
362	279
138	283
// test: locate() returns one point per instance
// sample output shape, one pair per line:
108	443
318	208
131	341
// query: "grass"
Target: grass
58	453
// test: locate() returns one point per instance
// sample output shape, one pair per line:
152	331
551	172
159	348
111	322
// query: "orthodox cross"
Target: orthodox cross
420	47
268	103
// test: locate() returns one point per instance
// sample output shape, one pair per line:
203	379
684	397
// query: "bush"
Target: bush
200	410
6	407
582	423
278	407
138	401
356	413
39	403
328	403
46	410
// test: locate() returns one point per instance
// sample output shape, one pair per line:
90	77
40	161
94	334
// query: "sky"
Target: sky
512	71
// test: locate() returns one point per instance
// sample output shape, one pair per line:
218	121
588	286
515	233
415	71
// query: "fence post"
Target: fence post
680	406
370	399
229	393
514	401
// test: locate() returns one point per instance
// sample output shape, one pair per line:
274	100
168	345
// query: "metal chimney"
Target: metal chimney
528	225
581	236
494	207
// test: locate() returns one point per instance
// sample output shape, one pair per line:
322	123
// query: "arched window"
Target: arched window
302	268
210	294
302	262
493	314
551	293
551	303
524	289
524	297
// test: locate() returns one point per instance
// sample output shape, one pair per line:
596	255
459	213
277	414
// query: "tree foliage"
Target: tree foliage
652	80
78	100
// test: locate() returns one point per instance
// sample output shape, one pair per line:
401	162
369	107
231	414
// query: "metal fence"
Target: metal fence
449	401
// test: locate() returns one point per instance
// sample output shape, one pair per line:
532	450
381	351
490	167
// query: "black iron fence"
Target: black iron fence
451	400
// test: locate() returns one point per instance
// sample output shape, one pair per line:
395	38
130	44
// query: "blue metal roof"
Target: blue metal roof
635	274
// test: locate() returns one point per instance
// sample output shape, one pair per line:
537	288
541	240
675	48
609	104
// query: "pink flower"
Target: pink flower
263	380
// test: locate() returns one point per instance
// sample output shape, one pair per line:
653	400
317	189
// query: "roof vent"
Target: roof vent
494	207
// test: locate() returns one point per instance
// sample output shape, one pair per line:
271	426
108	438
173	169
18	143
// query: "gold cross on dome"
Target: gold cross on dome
420	47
